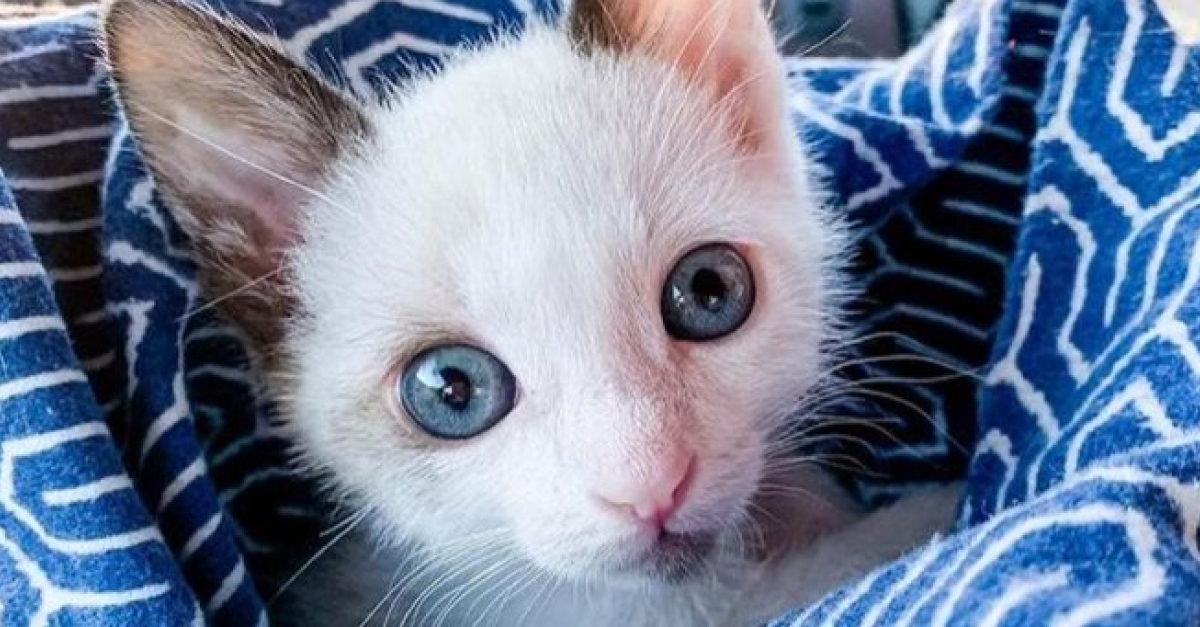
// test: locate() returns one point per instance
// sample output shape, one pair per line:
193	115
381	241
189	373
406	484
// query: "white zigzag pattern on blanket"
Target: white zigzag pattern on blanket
1147	321
1056	312
1066	385
54	596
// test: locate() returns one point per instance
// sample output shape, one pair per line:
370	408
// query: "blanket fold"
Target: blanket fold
1023	189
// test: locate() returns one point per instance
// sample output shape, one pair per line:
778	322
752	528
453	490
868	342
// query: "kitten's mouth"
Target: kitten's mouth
677	557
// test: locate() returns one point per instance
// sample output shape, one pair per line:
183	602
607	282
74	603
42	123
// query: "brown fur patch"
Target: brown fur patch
594	25
618	26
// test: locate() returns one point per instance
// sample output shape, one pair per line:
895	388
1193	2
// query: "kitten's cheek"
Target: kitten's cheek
721	502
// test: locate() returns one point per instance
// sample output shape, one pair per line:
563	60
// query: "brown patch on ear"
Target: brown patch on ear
621	26
245	292
593	25
190	82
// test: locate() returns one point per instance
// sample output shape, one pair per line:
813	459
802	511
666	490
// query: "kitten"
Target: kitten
541	317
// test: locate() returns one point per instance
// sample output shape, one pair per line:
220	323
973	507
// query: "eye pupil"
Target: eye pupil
456	391
709	289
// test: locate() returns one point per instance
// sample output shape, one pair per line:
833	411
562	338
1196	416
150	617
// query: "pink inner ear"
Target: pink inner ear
729	48
252	182
272	207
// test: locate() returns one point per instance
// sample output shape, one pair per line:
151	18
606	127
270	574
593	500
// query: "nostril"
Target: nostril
653	500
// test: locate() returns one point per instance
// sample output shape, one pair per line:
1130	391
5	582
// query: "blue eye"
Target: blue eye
708	295
456	391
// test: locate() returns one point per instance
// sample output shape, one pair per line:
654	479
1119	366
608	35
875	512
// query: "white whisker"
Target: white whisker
244	161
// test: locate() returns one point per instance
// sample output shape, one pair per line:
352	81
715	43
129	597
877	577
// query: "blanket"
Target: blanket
1030	318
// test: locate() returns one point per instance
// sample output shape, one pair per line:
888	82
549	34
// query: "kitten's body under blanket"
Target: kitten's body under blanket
571	300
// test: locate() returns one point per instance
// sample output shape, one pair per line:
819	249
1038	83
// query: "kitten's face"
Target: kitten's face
539	219
478	345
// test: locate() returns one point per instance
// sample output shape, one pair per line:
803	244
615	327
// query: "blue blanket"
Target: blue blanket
1028	245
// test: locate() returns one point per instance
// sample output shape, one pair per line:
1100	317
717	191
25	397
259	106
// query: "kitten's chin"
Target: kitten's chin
677	557
690	547
671	558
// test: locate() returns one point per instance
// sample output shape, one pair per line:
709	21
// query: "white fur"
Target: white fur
530	199
500	204
523	199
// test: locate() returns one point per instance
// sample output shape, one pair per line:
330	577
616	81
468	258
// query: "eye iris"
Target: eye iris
456	391
709	294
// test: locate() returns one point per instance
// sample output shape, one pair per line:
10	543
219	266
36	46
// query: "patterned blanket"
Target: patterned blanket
1029	247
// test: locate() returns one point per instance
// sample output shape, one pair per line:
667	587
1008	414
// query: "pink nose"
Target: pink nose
653	499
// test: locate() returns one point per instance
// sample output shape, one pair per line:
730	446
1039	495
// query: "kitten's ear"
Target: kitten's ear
235	134
725	46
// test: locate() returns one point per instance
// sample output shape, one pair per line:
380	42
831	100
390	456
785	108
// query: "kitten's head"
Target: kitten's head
564	292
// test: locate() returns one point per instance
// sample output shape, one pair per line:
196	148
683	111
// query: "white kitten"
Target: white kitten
540	317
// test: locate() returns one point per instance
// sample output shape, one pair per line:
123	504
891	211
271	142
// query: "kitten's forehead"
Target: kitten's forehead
545	203
627	142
